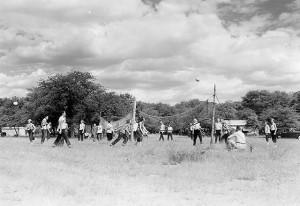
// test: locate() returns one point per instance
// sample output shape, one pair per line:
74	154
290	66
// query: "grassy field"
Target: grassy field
158	173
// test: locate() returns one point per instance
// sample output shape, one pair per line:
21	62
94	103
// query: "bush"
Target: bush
178	156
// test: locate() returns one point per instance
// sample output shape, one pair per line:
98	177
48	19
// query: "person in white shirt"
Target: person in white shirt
162	130
62	131
81	130
218	131
44	125
109	131
135	128
273	130
170	132
267	132
30	130
99	131
196	131
237	140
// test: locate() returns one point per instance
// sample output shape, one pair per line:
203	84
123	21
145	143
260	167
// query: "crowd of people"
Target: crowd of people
123	132
234	138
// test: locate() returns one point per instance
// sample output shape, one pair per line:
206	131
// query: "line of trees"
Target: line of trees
82	98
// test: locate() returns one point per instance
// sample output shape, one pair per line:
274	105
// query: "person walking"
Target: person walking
99	131
170	132
162	131
44	125
218	130
273	130
196	131
81	131
124	133
62	131
267	132
109	131
30	130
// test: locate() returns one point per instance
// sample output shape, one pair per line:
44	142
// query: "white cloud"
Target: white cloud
153	54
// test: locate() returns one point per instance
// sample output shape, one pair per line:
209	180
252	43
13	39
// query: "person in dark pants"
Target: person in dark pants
30	130
196	131
141	131
44	125
124	133
225	131
218	130
273	130
170	133
62	131
81	130
99	131
109	131
162	131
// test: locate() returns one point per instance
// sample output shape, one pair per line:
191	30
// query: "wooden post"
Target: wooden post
213	117
133	119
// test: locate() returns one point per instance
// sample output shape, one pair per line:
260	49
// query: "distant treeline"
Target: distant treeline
82	98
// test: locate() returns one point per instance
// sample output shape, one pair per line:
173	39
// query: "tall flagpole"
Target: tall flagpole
213	117
133	119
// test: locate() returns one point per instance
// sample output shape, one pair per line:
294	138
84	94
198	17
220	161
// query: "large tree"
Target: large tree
61	93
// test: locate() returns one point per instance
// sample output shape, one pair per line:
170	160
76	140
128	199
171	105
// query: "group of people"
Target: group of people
270	131
46	129
233	138
122	132
163	130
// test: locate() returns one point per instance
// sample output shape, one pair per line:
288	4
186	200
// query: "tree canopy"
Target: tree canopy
82	97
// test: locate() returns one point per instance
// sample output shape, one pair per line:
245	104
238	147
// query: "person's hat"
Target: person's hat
195	121
29	120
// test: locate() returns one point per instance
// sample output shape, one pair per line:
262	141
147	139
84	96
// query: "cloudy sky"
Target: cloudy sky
153	49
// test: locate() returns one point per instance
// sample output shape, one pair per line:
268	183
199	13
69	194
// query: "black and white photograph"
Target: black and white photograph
149	102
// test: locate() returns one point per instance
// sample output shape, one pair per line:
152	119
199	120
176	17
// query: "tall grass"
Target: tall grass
158	173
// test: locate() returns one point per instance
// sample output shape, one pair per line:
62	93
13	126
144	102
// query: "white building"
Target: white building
235	123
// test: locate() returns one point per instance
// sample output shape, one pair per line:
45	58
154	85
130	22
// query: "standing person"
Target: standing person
273	130
124	133
109	131
135	128
170	132
141	131
49	130
218	130
162	131
81	130
99	131
196	131
44	125
30	130
237	140
267	132
225	131
62	131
